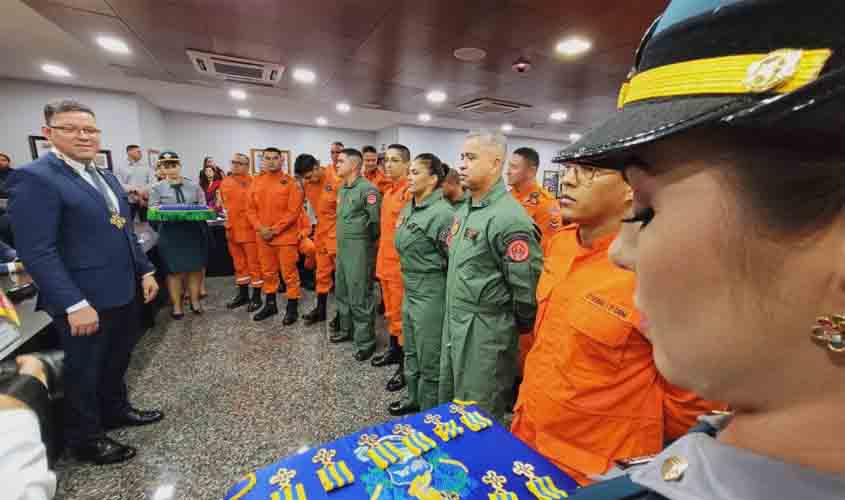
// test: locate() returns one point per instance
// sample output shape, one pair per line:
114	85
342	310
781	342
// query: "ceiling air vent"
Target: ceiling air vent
489	105
236	69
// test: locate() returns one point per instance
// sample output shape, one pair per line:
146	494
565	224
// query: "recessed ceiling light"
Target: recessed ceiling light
244	113
304	75
113	44
469	54
558	116
574	137
573	46
436	96
321	121
424	117
343	107
56	70
237	94
507	127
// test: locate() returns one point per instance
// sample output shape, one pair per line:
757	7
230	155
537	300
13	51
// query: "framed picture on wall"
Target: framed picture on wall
257	155
38	146
152	158
551	181
103	160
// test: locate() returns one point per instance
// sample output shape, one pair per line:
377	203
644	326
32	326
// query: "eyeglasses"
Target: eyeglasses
76	130
582	173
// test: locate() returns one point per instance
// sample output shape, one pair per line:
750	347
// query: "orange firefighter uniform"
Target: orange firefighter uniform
323	199
307	248
387	262
240	235
544	210
378	179
276	201
591	393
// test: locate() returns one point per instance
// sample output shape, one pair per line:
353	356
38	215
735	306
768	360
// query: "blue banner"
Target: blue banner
448	453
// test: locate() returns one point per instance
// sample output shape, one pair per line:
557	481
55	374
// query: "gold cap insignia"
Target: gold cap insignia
673	468
773	70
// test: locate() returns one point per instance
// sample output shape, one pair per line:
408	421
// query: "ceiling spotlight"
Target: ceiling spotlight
558	116
343	107
237	94
244	113
436	96
424	117
574	137
304	75
56	70
113	44
573	46
507	127
321	121
521	65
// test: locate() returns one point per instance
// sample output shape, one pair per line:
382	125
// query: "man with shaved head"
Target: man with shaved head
494	264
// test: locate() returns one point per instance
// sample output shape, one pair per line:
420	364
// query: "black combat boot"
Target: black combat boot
318	314
241	299
269	309
292	312
256	303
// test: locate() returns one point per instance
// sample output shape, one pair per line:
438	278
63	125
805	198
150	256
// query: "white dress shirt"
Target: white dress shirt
23	458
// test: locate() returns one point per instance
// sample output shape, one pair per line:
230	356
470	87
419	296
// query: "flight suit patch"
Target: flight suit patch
518	250
471	234
372	198
456	226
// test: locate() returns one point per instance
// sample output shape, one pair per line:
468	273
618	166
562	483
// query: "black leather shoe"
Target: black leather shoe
388	357
135	418
255	303
339	338
364	355
291	312
399	408
102	451
335	323
397	381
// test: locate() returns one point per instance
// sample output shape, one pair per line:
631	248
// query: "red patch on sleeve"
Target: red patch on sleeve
372	198
518	251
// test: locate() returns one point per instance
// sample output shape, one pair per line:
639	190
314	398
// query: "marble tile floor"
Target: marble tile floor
237	395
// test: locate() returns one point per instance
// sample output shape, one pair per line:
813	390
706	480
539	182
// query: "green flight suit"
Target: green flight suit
358	209
494	264
423	256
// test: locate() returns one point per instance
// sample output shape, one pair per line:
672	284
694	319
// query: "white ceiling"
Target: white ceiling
28	40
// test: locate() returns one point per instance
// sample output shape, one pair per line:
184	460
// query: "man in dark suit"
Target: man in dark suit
73	233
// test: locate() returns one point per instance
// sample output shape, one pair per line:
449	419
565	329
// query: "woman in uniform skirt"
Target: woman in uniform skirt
183	246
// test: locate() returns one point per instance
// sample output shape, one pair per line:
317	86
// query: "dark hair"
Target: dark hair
7	157
132	146
369	149
435	166
273	150
338	143
303	164
406	153
354	153
452	175
218	174
64	106
529	154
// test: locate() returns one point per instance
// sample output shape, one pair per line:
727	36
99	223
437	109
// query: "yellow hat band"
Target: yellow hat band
779	72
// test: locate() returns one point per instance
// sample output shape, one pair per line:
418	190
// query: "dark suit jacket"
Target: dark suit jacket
66	241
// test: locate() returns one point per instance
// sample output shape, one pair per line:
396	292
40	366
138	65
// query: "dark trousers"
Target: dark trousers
95	370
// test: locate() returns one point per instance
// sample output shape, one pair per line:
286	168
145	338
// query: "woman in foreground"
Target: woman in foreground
737	238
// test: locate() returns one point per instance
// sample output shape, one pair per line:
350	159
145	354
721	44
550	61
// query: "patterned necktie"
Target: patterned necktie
102	187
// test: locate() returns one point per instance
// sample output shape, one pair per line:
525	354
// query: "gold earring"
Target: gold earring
830	330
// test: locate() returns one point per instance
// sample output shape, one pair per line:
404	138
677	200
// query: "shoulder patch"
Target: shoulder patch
518	250
372	198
